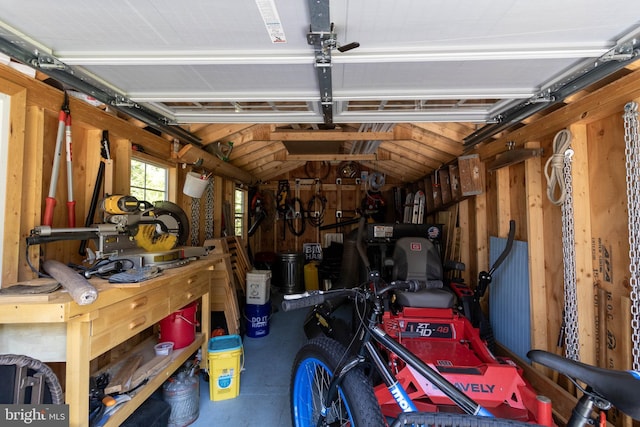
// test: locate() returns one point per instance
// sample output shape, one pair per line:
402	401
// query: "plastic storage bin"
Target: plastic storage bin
258	286
225	363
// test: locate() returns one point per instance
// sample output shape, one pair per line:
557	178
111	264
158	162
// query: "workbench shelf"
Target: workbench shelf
178	358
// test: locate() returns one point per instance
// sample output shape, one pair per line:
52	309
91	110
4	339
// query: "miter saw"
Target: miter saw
134	234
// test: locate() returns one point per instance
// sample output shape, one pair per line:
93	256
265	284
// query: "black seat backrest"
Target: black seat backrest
416	258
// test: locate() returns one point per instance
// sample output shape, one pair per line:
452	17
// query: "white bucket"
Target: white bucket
194	185
258	286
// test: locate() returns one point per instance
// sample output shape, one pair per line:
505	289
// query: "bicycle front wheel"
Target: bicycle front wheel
354	406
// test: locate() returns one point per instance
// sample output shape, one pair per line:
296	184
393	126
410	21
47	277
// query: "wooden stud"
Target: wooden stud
11	253
464	221
77	378
535	238
120	182
31	194
482	235
583	256
218	191
504	201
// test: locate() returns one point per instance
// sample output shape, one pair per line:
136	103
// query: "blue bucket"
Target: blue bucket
257	317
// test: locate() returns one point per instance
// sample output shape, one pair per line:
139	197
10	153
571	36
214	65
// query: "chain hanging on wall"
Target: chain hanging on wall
195	221
558	172
208	212
572	342
632	153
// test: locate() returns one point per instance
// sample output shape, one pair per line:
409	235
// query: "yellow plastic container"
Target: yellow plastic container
311	276
225	363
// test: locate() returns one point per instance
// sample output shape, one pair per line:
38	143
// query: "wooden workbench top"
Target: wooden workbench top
58	306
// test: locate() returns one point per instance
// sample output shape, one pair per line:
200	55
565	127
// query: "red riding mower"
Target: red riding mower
443	326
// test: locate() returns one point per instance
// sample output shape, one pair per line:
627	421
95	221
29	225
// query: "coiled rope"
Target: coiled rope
553	169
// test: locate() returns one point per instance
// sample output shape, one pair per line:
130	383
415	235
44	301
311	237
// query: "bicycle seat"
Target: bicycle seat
417	258
620	388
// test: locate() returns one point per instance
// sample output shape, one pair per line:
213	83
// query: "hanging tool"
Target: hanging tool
71	204
95	197
282	198
64	129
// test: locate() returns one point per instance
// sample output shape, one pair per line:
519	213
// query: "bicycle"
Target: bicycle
331	384
291	210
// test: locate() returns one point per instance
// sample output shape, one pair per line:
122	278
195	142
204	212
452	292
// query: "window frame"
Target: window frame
171	168
240	216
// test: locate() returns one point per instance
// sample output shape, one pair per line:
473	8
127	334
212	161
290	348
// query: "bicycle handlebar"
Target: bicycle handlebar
309	299
416	285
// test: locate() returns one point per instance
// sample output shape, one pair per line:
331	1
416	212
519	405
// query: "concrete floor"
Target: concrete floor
264	383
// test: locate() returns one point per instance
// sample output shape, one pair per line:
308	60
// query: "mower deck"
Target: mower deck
449	343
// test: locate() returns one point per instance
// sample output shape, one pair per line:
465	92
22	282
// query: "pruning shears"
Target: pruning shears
64	131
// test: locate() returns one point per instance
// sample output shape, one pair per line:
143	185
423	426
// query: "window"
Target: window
238	212
149	182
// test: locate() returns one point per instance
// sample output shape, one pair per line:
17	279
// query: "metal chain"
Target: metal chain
208	212
572	344
195	221
632	153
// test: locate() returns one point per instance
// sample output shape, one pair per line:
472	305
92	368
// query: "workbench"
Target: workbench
119	313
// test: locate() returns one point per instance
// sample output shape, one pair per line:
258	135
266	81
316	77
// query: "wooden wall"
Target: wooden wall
600	207
600	216
345	197
33	127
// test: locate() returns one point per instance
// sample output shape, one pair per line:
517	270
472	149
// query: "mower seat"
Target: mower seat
417	258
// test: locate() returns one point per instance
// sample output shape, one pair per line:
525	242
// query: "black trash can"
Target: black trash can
288	272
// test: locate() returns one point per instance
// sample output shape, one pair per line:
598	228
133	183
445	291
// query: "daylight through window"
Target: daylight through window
149	182
238	223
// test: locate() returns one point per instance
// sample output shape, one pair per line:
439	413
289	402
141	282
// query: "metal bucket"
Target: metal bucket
182	393
289	272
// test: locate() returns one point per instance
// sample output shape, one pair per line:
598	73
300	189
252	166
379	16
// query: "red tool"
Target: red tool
64	128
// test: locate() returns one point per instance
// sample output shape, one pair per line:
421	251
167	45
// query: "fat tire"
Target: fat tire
356	405
340	329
